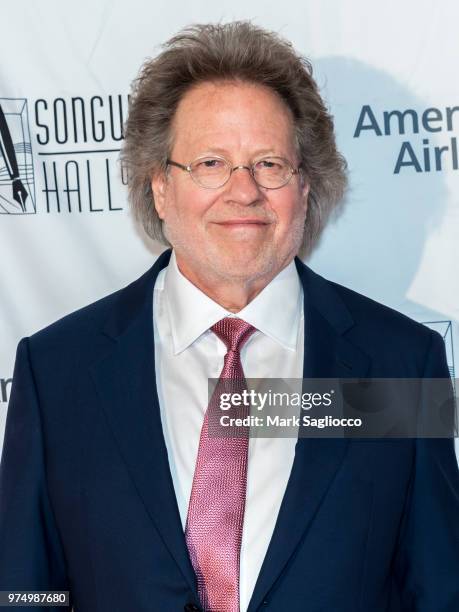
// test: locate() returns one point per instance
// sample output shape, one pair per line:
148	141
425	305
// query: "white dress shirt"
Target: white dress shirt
187	354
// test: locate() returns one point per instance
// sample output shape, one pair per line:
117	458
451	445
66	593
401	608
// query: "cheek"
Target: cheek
288	210
191	204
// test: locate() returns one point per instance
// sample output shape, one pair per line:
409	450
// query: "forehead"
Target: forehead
232	116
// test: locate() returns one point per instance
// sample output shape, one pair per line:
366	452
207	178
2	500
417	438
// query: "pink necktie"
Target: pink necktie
216	510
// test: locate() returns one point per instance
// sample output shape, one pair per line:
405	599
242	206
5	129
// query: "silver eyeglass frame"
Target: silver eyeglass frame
188	168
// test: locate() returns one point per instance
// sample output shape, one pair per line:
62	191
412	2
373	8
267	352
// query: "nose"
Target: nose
241	186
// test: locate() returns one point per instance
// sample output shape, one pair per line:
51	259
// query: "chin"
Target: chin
241	263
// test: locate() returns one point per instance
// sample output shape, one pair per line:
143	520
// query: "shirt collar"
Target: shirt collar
191	312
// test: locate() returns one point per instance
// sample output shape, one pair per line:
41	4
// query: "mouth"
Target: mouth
237	223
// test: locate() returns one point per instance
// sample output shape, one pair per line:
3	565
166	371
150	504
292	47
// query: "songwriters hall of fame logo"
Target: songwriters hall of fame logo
67	161
17	185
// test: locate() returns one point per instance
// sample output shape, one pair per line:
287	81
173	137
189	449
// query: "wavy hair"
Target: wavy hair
238	50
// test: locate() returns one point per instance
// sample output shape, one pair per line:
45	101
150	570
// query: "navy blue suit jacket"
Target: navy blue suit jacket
86	497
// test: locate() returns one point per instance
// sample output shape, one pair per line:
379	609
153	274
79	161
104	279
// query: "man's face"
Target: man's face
241	122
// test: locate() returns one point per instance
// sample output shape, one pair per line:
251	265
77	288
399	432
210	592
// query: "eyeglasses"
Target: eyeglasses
214	172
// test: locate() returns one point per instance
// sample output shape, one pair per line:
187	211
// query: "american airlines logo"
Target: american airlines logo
419	153
5	388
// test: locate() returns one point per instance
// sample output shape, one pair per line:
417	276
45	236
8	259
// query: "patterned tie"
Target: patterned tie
213	529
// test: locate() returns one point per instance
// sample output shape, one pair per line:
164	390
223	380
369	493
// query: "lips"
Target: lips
242	222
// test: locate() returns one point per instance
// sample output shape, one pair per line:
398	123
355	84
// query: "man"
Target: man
111	486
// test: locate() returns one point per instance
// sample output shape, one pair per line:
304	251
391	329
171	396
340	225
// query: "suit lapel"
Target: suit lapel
125	381
327	354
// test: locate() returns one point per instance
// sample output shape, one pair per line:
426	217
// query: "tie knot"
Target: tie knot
233	332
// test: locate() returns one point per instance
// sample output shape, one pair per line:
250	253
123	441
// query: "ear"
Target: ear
158	188
305	187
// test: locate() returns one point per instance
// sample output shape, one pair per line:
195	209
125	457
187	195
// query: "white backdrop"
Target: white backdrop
65	70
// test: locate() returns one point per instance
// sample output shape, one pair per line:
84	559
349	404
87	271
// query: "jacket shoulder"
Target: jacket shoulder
83	322
396	342
369	312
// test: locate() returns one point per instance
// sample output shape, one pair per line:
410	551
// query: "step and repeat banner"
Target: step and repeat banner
66	234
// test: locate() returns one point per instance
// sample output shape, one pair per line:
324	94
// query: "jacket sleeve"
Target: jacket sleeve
31	554
427	559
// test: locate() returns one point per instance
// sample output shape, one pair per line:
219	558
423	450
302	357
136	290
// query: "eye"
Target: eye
266	163
269	164
211	162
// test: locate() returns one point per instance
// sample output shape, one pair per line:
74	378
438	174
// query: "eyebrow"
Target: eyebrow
224	152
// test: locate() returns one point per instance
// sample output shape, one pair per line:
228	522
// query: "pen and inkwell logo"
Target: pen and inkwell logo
17	184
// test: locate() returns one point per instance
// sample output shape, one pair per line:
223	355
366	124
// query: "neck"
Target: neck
233	294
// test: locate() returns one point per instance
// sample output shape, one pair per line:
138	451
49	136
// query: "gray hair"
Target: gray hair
237	50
